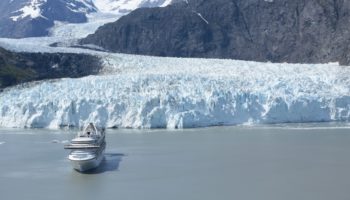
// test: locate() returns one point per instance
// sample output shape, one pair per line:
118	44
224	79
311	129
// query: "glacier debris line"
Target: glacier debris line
150	92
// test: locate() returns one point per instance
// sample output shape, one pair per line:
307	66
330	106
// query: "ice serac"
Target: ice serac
148	92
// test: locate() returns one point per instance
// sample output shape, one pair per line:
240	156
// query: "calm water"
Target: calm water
282	163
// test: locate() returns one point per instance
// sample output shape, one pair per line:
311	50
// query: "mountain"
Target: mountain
25	67
32	18
303	31
126	6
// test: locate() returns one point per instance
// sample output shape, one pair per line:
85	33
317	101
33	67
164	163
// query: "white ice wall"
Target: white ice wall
150	92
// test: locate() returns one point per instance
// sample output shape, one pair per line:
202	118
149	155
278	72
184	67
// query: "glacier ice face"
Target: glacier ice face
151	92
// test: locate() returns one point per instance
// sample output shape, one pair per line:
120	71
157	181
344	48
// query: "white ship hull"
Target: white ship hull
87	149
84	165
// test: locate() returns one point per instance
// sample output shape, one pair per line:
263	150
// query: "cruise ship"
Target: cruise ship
87	148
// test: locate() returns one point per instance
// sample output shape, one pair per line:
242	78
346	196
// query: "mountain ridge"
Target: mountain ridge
35	18
301	31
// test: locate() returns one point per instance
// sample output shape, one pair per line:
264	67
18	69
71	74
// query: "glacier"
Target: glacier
150	92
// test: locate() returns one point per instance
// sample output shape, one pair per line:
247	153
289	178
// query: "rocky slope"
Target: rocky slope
24	67
303	31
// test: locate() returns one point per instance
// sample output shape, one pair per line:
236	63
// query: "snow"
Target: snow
98	12
32	10
66	34
125	6
75	31
201	16
166	3
88	6
82	6
150	92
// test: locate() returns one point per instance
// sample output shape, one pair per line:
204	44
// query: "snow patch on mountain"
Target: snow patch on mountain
31	9
83	6
126	6
35	8
151	92
107	11
68	31
35	18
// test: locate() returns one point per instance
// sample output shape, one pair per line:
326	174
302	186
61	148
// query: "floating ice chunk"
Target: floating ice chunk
59	141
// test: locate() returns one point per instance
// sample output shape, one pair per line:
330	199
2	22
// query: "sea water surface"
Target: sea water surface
309	161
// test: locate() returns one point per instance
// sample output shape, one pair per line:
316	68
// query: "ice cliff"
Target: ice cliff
150	92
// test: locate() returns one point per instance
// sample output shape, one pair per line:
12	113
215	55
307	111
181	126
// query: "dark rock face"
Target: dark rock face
52	10
303	31
18	68
24	28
